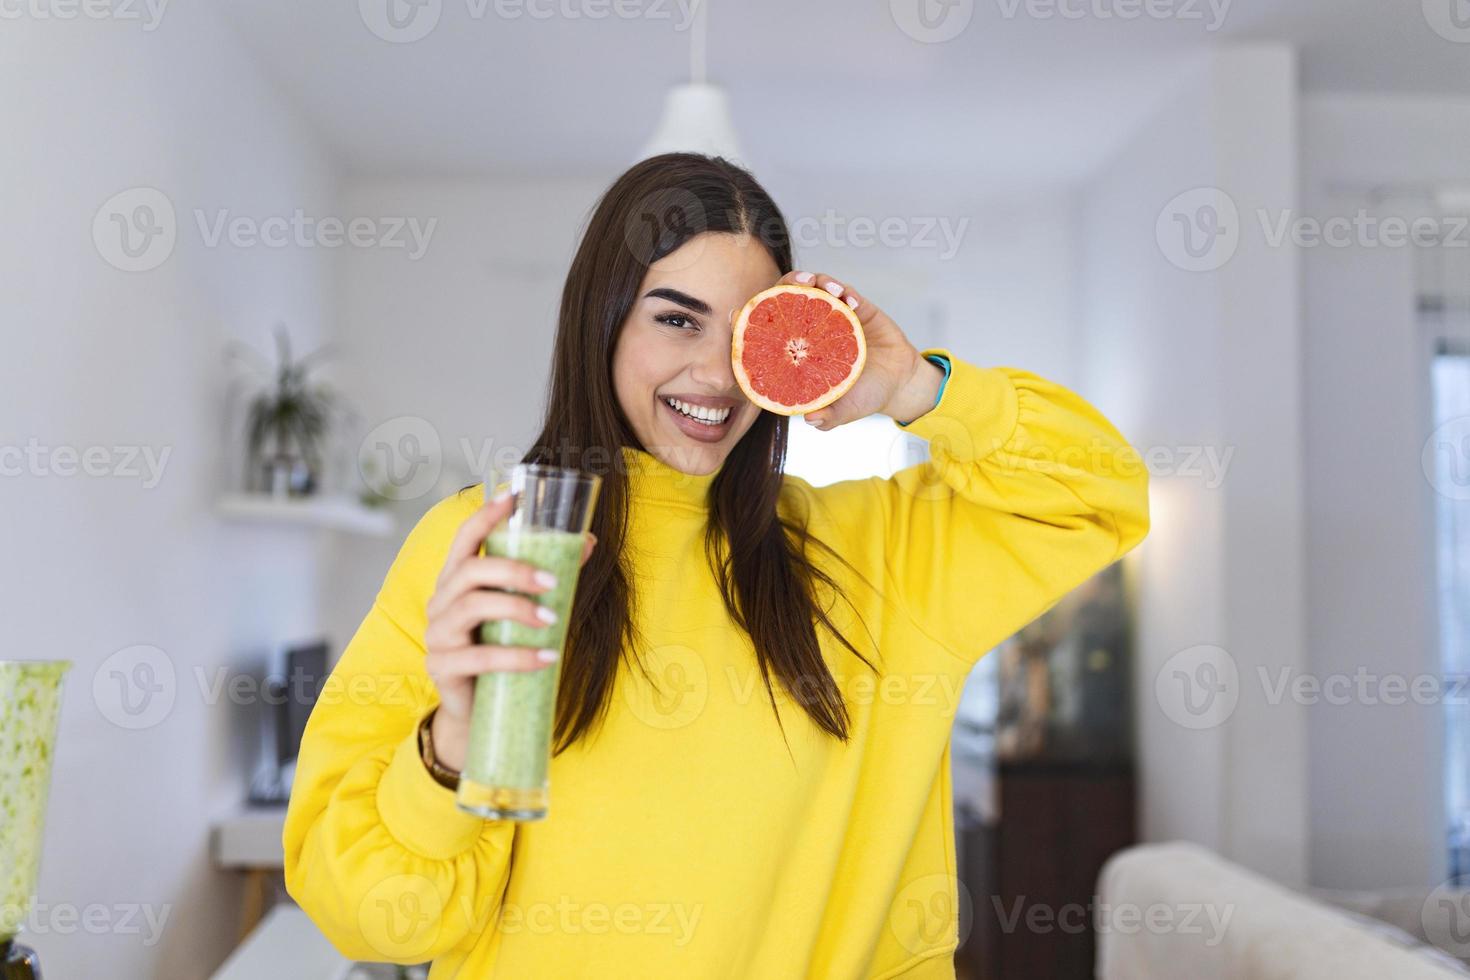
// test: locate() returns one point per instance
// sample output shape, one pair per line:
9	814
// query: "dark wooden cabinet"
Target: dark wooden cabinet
1033	875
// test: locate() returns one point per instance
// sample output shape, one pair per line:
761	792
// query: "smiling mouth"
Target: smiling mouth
712	424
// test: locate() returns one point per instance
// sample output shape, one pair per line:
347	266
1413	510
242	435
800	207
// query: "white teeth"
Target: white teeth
709	415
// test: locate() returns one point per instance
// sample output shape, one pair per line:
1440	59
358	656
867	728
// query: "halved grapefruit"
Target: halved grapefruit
797	349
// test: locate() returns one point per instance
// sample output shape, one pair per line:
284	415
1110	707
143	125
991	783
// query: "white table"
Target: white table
286	944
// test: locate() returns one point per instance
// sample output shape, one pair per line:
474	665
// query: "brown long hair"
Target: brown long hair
769	586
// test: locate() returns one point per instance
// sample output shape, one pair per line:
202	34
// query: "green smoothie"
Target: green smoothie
30	702
509	750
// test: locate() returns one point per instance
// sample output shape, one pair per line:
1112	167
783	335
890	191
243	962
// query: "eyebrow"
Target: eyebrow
683	299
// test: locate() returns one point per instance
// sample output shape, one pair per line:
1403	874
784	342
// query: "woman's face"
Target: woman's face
675	344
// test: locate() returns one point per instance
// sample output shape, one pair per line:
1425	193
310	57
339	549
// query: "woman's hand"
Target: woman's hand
472	589
896	381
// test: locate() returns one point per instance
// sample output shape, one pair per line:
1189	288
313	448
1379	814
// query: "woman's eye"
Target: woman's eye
676	320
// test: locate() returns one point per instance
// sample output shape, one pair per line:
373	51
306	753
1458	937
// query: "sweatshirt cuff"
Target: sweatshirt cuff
418	812
942	361
977	410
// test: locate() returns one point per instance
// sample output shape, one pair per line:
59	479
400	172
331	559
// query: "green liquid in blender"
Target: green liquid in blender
30	702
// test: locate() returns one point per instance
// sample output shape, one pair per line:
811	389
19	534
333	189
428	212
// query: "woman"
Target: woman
752	770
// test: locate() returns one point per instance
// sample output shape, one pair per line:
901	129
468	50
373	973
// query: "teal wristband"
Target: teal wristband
943	362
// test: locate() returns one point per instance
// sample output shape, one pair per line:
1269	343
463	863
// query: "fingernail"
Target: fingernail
545	578
545	615
804	277
852	301
812	421
546	656
835	288
501	496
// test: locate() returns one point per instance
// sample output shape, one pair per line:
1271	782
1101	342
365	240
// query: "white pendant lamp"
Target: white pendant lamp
696	115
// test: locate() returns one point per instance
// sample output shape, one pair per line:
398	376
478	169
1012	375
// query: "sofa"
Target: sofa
1166	911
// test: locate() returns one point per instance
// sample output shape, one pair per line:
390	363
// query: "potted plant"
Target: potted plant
288	422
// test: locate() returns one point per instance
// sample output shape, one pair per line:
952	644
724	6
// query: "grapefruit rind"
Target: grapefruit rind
737	350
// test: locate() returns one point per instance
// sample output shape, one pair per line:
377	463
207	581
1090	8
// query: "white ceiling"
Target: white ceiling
817	86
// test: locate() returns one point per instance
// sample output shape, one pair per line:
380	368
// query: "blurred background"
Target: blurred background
278	276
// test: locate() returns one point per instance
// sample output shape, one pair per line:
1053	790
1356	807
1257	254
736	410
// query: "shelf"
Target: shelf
336	513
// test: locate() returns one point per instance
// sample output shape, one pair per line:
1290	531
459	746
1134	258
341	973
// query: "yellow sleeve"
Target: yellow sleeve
1029	490
377	853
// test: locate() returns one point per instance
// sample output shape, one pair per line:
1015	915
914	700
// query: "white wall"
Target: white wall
98	357
1376	778
1186	360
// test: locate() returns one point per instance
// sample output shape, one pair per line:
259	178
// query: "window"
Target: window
1450	449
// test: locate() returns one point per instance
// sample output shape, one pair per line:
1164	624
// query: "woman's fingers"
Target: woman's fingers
587	547
834	286
472	532
477	572
471	661
452	625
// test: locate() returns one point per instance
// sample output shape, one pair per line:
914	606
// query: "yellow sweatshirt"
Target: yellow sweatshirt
684	840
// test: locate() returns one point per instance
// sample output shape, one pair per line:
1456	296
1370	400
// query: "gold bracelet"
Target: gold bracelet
443	775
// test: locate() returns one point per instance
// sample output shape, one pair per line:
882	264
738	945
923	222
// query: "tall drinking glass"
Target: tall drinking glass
509	753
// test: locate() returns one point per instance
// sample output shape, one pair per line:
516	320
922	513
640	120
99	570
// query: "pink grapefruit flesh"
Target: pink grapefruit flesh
797	349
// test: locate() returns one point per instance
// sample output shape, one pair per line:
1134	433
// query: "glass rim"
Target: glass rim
557	472
37	665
